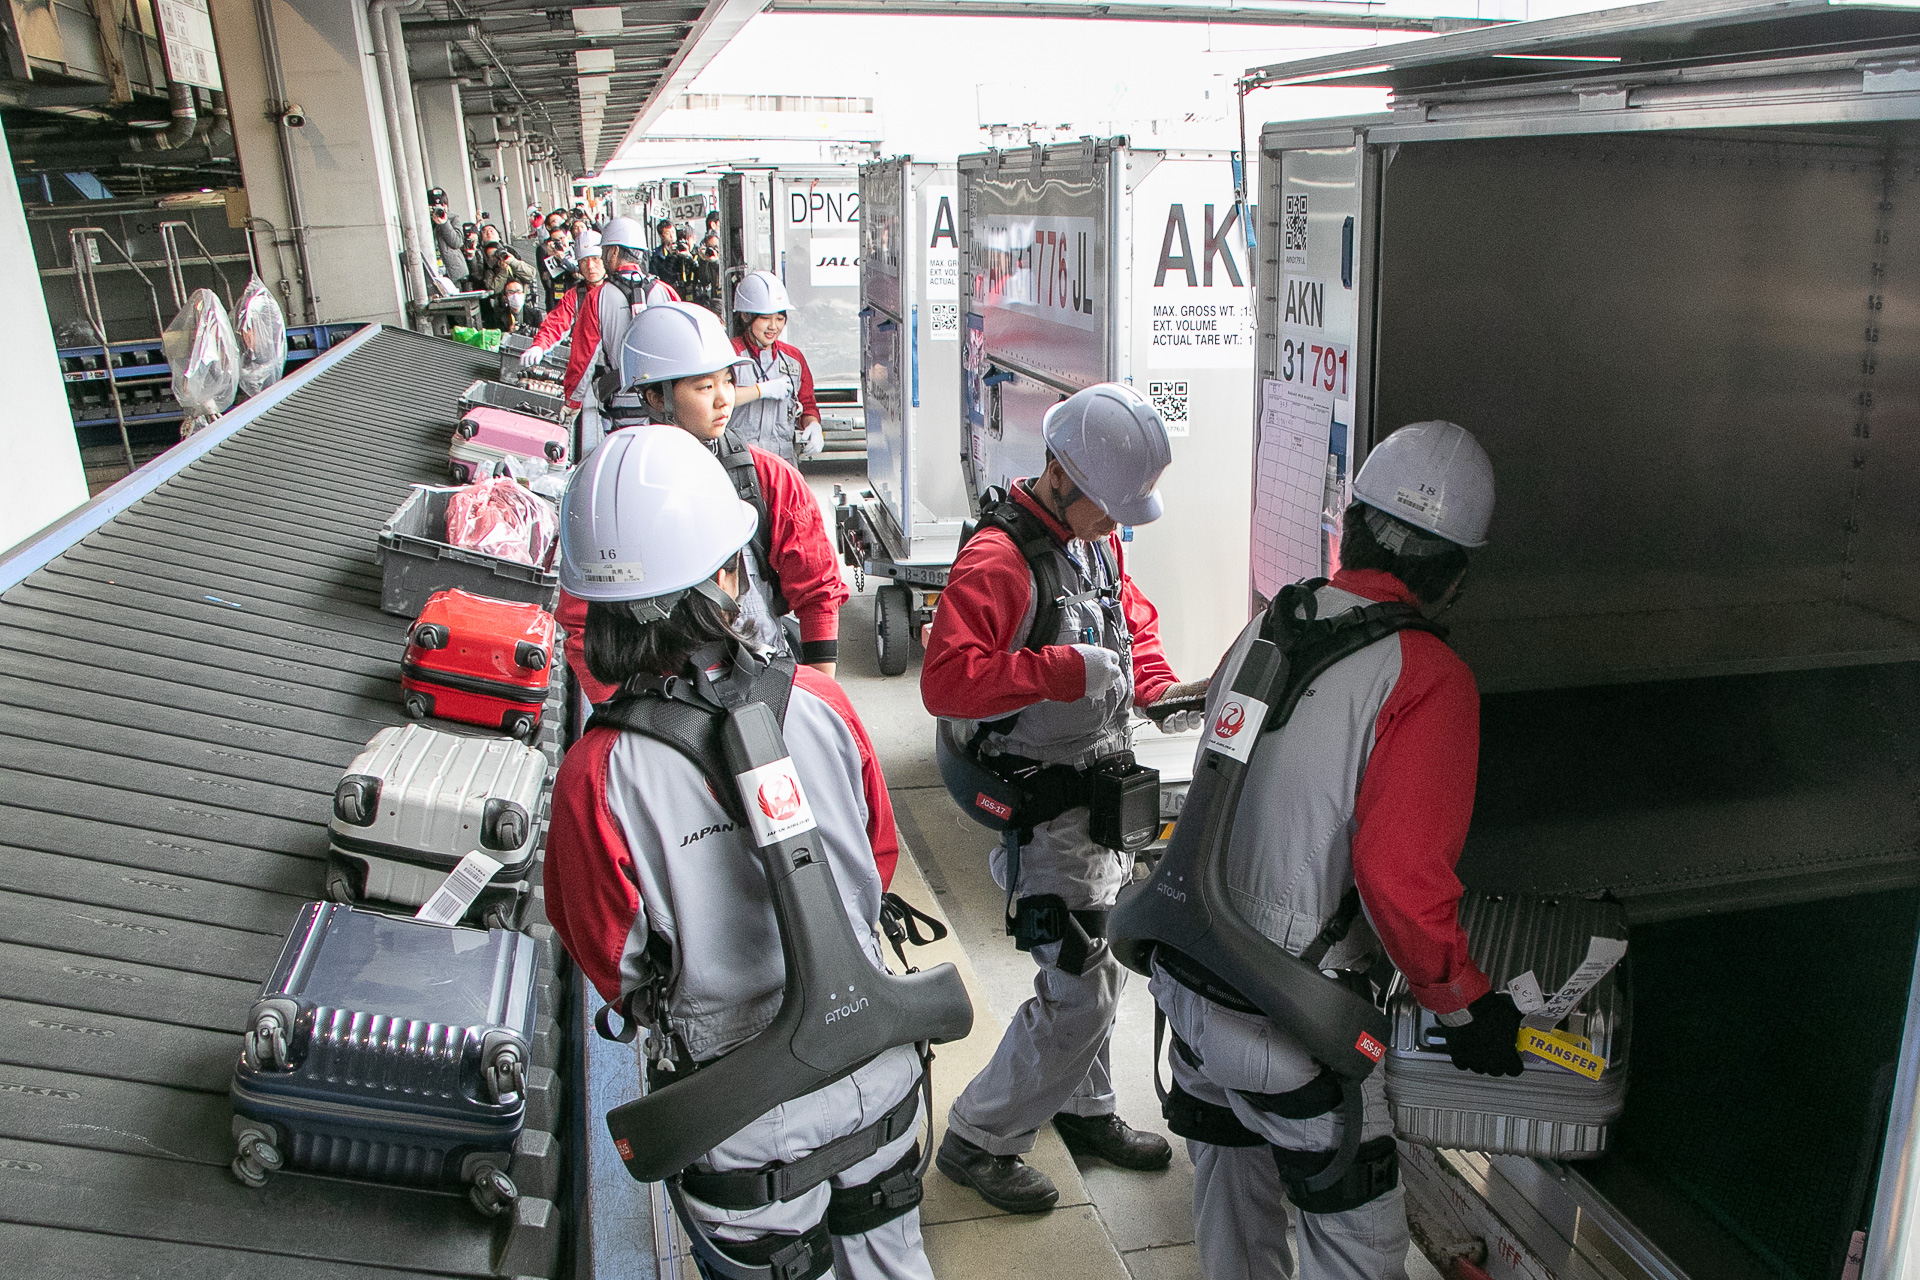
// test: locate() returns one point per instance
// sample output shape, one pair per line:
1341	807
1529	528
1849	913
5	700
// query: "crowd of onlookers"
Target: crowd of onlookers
524	276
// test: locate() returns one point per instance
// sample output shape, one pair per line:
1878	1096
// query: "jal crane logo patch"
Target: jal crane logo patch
1232	716
780	798
1236	727
775	803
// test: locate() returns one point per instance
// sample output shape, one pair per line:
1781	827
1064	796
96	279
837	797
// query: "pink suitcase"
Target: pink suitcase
487	437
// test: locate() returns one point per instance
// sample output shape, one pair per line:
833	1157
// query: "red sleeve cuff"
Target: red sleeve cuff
818	624
1064	672
1451	997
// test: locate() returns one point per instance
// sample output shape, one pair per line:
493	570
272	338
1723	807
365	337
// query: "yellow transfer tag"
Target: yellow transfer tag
1562	1050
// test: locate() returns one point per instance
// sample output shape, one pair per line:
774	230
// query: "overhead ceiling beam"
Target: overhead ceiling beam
1363	16
720	21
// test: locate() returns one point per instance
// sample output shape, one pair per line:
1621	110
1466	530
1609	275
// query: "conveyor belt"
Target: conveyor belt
183	685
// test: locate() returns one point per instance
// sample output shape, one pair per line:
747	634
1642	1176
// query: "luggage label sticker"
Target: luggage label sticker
456	893
776	805
1562	1050
1236	726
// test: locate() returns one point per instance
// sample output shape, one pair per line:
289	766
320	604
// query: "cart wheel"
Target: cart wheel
493	1192
258	1157
893	628
418	705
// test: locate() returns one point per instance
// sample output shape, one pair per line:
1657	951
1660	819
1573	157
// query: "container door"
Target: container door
885	229
1037	295
1188	304
939	494
817	233
1314	224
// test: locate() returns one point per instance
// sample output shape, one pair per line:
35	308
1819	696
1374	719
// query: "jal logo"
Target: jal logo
780	797
837	260
1232	716
987	803
1372	1048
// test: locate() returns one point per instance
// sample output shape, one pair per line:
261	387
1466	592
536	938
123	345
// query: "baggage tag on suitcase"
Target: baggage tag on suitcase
1537	1036
457	892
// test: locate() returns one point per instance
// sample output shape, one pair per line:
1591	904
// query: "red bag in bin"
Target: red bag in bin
501	518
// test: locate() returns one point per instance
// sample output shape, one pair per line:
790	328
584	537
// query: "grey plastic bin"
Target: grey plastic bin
552	366
499	395
416	560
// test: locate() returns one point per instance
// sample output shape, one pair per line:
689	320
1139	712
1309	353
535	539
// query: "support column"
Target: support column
443	134
343	169
517	186
36	432
483	137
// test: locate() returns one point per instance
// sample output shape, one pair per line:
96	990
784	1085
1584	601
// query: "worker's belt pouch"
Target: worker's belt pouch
391	1050
1548	1110
415	802
479	661
1123	799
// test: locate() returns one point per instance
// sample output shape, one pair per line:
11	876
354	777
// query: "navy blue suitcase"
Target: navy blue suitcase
391	1050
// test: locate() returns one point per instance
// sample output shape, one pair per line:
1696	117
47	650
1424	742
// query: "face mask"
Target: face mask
516	301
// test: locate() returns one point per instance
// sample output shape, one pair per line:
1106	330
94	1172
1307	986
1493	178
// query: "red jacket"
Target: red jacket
809	407
974	669
559	323
1410	815
593	897
586	337
802	556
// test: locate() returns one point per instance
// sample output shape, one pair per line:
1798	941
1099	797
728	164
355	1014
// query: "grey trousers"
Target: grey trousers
891	1251
1055	1055
1240	1207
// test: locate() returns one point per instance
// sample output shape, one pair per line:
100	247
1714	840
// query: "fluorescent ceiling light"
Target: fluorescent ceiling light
595	86
1555	57
598	20
591	60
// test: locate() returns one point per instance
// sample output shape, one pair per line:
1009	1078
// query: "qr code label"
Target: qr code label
1294	224
1170	401
943	321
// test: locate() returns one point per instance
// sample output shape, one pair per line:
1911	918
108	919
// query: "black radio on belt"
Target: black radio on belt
1124	799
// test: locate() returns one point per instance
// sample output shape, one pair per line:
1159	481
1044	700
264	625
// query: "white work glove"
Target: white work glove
812	441
778	387
1103	669
1181	721
532	356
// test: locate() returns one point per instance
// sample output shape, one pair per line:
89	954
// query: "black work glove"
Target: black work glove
1487	1045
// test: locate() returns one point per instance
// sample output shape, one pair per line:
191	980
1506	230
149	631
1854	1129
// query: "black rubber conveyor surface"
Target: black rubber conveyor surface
181	690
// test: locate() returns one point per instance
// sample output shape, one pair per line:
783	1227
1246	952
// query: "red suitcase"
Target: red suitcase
479	661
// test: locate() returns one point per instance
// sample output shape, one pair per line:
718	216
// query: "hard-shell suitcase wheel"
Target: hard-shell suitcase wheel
258	1157
418	705
342	885
519	724
492	1192
893	627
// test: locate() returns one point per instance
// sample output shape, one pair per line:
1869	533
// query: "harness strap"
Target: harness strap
737	458
900	920
757	1188
854	1211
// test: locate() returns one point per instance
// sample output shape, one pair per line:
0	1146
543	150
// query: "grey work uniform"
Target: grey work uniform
1287	872
703	893
768	424
1054	1056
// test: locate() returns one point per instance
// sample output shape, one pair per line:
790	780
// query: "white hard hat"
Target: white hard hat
672	340
587	245
1112	444
760	293
649	516
1434	476
625	232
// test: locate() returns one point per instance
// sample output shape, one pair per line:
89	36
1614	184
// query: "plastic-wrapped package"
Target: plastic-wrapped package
205	359
502	519
261	329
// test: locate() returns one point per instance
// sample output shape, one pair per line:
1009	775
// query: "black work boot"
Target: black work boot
1113	1140
1006	1182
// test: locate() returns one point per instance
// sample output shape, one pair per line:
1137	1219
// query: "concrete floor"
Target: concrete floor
1109	1223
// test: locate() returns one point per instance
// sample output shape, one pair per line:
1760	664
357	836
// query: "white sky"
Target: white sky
936	82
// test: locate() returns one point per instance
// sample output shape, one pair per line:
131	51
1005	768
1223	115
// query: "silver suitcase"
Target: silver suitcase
416	801
1548	1110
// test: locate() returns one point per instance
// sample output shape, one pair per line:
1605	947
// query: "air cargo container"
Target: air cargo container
803	225
906	525
1664	263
